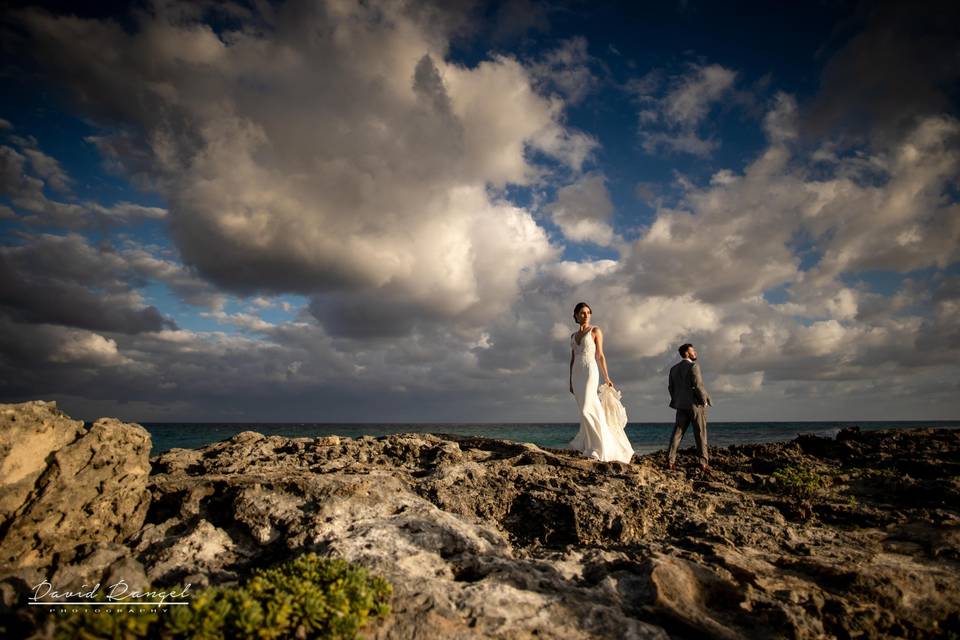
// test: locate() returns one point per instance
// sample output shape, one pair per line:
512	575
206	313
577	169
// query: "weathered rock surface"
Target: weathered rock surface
29	433
494	539
67	490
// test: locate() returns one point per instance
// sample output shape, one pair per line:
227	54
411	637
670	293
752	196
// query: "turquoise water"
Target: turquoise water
646	437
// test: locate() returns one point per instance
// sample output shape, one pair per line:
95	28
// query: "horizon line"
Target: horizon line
344	422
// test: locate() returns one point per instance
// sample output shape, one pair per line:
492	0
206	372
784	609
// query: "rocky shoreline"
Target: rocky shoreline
857	536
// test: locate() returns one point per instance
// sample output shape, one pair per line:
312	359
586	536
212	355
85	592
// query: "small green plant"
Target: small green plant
307	597
797	482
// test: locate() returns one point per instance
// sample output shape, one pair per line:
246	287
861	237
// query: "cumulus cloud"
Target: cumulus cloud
183	282
566	70
261	302
572	273
14	179
901	221
708	258
64	280
727	240
123	213
39	351
649	326
583	210
373	182
90	349
743	384
49	169
671	118
69	280
366	177
690	97
248	321
25	174
734	238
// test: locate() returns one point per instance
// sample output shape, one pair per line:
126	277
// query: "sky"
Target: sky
385	211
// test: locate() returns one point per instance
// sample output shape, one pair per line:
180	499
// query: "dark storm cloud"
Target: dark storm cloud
365	316
63	280
903	65
49	357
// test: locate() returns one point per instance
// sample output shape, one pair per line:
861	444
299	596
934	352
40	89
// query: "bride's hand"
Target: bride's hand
609	382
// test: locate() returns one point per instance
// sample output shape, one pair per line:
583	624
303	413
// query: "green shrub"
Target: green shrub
797	482
307	597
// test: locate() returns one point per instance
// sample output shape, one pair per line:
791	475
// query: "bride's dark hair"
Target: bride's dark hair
580	305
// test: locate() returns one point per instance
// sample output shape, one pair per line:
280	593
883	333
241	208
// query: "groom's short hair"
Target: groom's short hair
683	349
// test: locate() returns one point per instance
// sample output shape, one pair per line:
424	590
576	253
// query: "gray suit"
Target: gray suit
690	398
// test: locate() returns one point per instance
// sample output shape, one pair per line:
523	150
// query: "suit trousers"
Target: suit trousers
698	416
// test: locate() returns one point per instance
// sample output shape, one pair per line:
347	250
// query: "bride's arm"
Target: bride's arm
601	359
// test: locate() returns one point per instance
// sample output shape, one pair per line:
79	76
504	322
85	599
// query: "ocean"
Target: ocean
646	437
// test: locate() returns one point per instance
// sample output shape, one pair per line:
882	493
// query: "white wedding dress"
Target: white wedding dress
598	437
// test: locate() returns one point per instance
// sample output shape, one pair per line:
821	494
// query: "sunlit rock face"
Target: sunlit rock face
66	487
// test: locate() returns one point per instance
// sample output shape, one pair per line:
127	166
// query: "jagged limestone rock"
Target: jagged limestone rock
494	539
92	487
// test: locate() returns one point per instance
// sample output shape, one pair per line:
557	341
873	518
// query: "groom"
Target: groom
690	398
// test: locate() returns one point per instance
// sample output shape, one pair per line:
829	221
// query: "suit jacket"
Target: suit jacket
686	386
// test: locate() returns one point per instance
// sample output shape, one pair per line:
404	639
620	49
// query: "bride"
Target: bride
597	438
